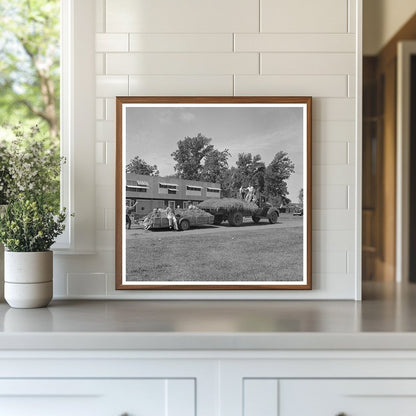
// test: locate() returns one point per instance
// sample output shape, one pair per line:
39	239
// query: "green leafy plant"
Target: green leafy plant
5	176
30	164
30	225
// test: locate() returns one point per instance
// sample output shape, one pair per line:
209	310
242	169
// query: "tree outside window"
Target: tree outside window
30	68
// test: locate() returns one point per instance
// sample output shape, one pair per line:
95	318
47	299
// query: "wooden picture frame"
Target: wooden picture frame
179	151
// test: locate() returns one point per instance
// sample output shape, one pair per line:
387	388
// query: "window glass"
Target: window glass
30	70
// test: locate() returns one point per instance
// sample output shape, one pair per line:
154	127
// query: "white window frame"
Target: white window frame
78	126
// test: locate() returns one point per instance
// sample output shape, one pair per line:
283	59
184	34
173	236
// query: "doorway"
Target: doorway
389	208
406	157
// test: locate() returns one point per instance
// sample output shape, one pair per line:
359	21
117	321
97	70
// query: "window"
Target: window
168	188
136	186
213	191
78	126
193	190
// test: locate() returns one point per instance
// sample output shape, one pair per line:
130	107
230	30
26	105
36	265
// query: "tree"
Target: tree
277	172
189	156
228	187
30	62
140	167
215	166
250	170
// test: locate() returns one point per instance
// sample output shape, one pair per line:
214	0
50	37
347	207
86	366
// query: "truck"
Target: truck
234	210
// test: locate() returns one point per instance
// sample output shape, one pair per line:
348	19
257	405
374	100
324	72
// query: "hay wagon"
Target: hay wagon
234	210
186	218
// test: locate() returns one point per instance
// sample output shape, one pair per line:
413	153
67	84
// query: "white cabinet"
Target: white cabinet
207	383
113	383
330	397
349	397
319	383
97	397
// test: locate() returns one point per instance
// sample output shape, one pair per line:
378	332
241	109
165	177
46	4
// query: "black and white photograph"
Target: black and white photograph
213	193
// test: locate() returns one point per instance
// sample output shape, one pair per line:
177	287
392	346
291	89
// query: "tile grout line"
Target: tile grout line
260	64
104	17
348	16
260	20
233	84
348	153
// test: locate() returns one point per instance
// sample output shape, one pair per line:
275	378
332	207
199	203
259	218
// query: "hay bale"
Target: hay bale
228	205
191	212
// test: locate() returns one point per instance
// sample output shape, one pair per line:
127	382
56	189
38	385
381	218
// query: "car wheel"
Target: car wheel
218	219
273	216
185	225
236	219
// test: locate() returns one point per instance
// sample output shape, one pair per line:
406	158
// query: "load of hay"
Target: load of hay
228	205
191	212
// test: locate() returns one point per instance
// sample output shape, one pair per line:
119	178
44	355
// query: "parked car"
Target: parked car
298	212
186	218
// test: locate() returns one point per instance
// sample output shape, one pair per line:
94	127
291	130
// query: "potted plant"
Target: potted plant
32	220
5	180
28	229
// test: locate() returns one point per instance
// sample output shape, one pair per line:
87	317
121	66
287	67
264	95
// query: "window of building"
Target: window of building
168	188
213	191
193	190
136	186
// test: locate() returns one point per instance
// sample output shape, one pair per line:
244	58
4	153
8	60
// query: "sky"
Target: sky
152	133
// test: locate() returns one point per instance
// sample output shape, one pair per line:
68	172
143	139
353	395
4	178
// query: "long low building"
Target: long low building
160	192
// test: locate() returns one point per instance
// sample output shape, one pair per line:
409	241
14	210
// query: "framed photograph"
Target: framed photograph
213	193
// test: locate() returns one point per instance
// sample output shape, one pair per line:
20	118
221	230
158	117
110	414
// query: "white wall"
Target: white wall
232	47
381	20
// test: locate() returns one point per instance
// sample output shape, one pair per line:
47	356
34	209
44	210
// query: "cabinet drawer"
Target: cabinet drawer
86	397
348	397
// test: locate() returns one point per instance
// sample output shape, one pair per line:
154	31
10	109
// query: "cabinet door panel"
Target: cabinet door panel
260	397
349	397
132	397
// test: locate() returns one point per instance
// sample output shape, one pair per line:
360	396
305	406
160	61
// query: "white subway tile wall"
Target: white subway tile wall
180	42
182	63
232	47
314	85
313	42
300	16
181	85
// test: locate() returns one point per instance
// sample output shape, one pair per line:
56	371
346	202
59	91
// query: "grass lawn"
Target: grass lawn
264	253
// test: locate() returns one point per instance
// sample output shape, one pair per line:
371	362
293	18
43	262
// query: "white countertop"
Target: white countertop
384	320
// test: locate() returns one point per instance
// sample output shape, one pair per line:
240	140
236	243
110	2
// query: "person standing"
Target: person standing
129	210
170	213
242	192
250	193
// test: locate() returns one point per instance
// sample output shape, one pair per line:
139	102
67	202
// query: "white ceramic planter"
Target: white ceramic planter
2	211
28	279
1	272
